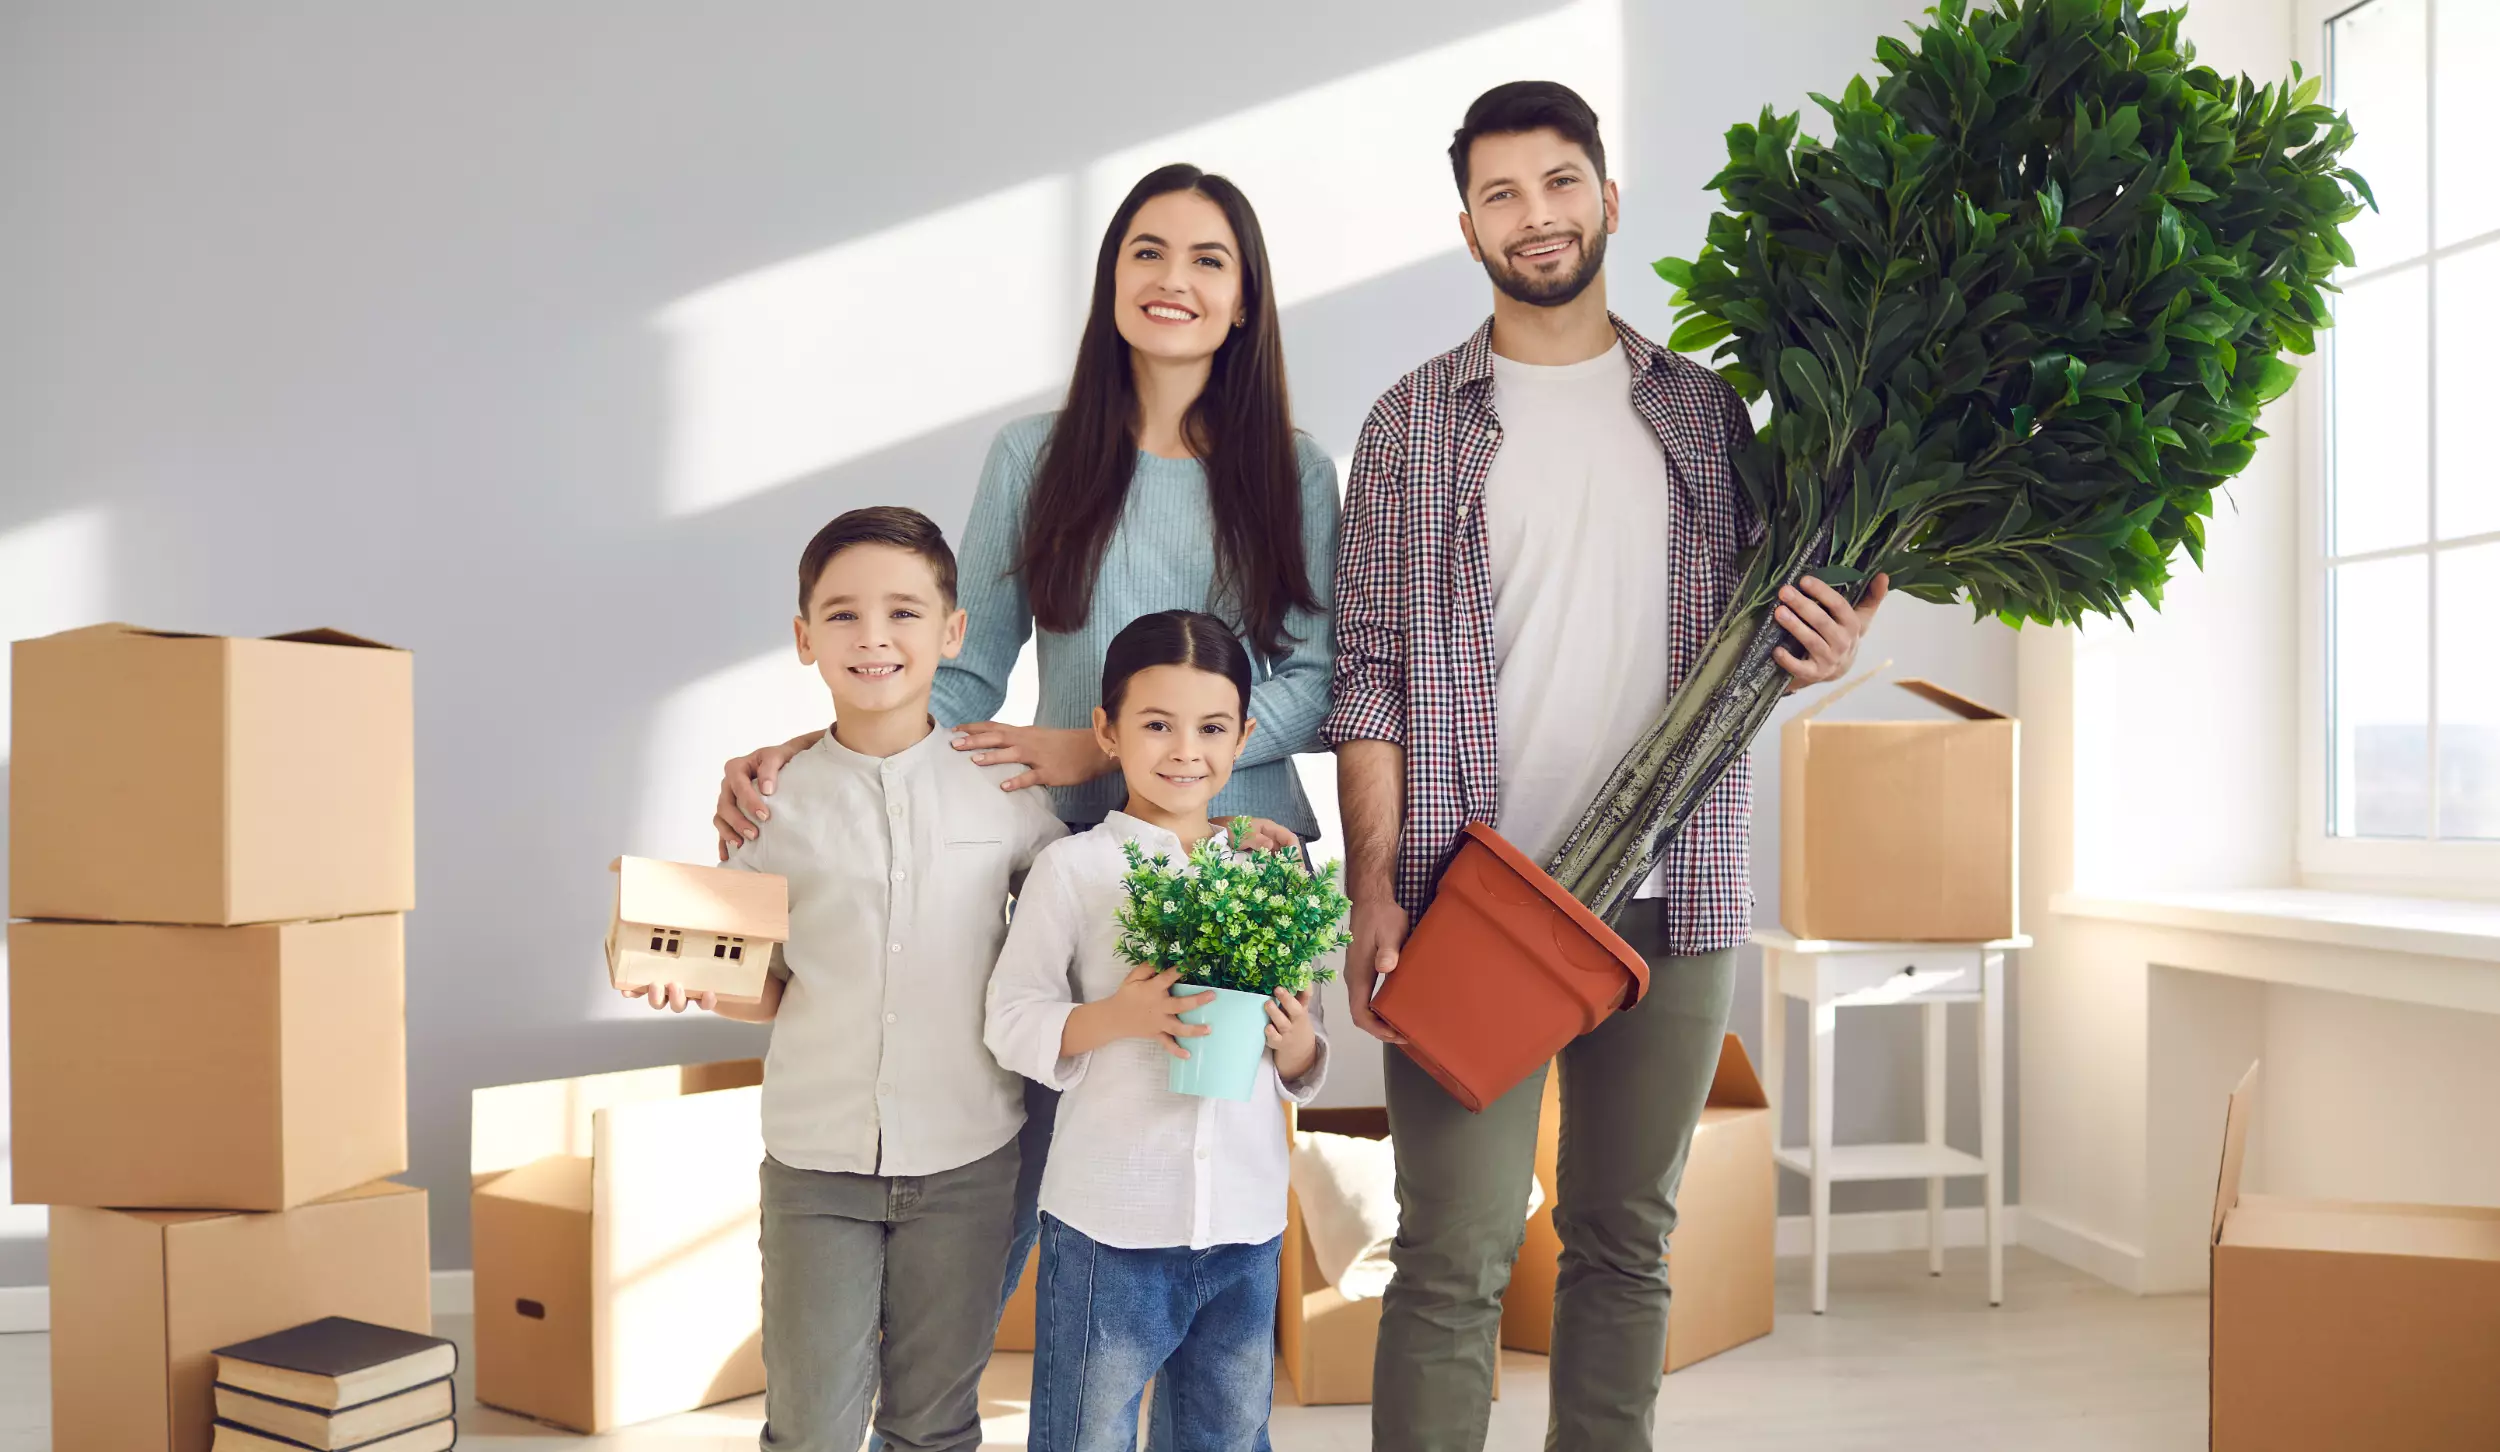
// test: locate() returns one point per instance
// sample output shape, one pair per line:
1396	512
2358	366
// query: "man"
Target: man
1541	527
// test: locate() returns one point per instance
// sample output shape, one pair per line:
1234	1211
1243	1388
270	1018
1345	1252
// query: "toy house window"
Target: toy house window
720	950
735	953
672	945
658	942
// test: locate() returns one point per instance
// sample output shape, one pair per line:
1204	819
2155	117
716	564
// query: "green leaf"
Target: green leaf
2275	380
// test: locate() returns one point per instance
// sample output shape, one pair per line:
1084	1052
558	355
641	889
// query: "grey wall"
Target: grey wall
346	315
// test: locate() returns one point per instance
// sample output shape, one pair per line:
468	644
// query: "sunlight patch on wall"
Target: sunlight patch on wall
813	362
1349	177
702	724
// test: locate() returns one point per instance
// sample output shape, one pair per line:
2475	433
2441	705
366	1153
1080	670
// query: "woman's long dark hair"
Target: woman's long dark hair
1240	427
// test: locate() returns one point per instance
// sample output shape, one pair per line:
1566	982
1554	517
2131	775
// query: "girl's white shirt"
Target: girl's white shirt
1132	1164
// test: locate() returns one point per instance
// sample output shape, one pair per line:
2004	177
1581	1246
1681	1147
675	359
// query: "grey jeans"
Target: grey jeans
882	1291
1632	1089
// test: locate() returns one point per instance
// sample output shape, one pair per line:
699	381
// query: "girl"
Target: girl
1160	1213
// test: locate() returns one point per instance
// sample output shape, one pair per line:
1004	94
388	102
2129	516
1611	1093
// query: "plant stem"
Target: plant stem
1711	720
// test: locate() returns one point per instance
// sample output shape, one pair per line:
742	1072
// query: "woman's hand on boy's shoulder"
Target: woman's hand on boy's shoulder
745	781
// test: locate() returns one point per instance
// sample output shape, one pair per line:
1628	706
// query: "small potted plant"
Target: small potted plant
1241	923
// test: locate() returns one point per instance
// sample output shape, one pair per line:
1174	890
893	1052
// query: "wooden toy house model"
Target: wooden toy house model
708	928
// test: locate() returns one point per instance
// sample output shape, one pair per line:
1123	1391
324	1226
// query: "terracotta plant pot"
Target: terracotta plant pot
1504	969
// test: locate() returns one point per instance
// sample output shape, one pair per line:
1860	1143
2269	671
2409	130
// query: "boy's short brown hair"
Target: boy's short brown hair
885	524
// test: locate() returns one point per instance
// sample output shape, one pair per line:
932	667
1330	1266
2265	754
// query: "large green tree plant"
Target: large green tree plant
2016	320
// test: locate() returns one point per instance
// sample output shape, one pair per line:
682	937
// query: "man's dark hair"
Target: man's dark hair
1517	106
886	524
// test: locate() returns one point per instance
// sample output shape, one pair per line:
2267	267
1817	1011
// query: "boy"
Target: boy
889	1180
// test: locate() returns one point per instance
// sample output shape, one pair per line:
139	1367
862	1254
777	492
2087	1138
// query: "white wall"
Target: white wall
2162	760
537	339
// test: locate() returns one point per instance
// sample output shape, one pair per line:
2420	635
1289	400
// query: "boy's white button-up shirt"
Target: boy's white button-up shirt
900	869
1132	1164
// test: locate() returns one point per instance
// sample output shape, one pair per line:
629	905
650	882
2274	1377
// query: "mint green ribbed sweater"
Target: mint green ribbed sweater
1162	557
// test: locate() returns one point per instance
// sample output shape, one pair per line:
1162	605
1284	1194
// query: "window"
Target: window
2405	532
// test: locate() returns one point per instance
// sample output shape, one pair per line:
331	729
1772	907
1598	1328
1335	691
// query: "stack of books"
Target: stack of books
336	1385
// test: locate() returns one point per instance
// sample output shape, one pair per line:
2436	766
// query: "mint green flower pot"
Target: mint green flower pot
1224	1064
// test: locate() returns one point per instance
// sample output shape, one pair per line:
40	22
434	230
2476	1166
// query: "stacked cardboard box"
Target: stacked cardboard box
212	845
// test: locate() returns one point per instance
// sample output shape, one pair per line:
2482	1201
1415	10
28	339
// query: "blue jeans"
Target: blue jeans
1200	1323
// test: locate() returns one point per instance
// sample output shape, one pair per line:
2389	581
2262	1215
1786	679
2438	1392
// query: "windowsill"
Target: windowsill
2426	926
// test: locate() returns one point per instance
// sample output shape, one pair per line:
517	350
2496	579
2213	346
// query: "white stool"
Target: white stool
1831	976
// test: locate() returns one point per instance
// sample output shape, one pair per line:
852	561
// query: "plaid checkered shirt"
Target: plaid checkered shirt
1414	609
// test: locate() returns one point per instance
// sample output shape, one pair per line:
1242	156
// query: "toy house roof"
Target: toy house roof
718	900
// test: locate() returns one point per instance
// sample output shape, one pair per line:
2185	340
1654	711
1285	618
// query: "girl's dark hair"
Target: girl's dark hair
1240	427
1190	638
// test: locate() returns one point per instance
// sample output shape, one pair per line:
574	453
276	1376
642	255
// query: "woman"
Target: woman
1172	479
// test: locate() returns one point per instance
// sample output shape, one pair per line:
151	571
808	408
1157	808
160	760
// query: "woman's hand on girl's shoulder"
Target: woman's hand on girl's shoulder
1262	835
1057	756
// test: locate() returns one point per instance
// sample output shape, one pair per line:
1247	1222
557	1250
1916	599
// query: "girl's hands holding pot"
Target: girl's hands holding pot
1291	1035
1142	1007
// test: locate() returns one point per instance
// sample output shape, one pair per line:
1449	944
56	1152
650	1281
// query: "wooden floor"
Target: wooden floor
1902	1360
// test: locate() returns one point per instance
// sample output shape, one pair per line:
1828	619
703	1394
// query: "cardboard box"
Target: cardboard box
1719	1260
1899	830
704	928
140	1298
249	1068
613	1226
195	779
1327	1341
1015	1319
2338	1324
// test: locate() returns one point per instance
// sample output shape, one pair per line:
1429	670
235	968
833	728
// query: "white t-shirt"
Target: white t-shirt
1576	521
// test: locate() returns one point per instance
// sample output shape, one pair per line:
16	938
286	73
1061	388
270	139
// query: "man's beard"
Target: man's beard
1554	292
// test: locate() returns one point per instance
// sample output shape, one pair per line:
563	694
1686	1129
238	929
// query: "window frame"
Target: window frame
2402	866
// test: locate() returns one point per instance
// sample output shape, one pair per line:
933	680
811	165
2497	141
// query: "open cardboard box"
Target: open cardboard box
1937	796
2340	1325
249	1068
1326	1340
141	1298
198	779
613	1224
1719	1260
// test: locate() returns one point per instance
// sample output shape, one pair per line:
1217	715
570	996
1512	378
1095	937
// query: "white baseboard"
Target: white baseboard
25	1308
455	1293
1880	1230
2086	1250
